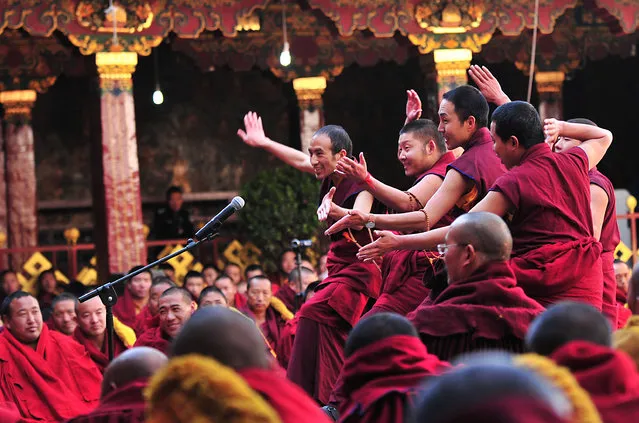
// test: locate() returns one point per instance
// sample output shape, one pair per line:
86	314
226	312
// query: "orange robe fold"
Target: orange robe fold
125	404
380	380
290	402
609	376
555	256
55	382
486	311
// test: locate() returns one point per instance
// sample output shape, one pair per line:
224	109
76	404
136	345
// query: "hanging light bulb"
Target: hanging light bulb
285	56
158	97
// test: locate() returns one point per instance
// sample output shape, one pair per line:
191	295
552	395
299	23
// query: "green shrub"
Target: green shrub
281	204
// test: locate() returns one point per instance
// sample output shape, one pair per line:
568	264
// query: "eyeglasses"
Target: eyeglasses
443	248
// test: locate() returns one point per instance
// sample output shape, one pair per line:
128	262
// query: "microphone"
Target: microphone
297	243
236	204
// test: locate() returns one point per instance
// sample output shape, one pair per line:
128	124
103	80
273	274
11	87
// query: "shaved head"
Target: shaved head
566	322
134	364
375	328
186	295
487	232
225	335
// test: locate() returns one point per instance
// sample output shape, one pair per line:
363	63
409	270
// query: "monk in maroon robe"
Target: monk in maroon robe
135	297
385	363
343	296
63	317
291	293
47	375
211	296
125	379
229	289
604	217
268	313
234	341
546	199
482	307
91	332
622	277
175	308
578	337
448	189
149	317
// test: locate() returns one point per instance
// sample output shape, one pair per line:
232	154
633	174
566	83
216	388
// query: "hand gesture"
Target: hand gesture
324	210
488	85
552	130
254	134
386	242
354	219
413	106
352	169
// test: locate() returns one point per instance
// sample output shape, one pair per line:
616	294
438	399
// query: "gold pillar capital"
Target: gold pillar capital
116	70
309	91
18	104
453	62
549	82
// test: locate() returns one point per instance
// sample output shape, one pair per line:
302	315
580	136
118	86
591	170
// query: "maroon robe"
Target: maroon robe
55	382
288	297
288	400
486	311
480	164
145	321
555	256
154	338
609	239
271	327
125	404
381	379
623	312
285	344
338	303
608	375
403	271
125	309
100	357
239	301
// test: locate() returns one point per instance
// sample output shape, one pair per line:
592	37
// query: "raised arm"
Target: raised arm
488	85
394	198
254	136
595	140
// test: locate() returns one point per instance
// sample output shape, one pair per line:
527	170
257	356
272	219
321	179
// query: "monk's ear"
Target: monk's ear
469	254
430	146
342	153
513	141
471	122
193	306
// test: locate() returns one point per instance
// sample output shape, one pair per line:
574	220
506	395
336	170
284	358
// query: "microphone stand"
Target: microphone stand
109	298
298	265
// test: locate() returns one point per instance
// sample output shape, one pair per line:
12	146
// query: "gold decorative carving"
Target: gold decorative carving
449	16
549	82
309	91
249	22
130	16
18	103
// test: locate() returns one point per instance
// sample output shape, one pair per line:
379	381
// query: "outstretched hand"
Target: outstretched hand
413	106
488	85
253	134
386	242
357	171
324	210
552	130
354	219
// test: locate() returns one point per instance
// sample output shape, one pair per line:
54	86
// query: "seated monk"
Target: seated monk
194	283
125	379
287	334
213	332
578	337
176	308
148	317
268	312
482	307
63	317
289	291
225	284
490	393
211	296
47	375
623	278
194	388
135	297
91	332
385	361
47	287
